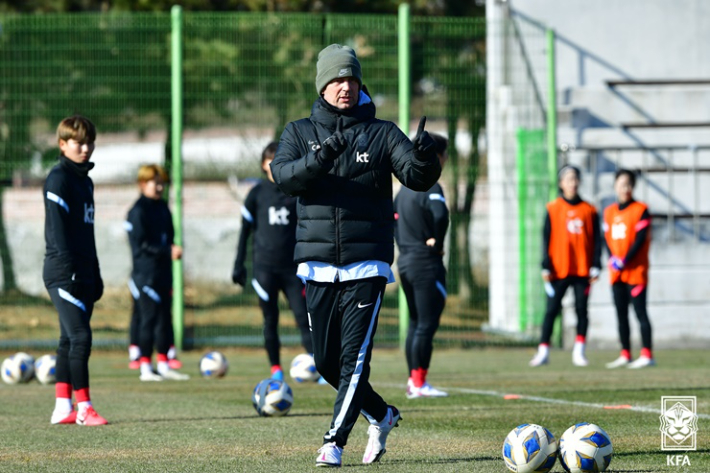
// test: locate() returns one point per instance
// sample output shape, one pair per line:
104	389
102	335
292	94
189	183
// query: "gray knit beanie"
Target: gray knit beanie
336	61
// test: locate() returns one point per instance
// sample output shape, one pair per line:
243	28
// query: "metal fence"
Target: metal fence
244	76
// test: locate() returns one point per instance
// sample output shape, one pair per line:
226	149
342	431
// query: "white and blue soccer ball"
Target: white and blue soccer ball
303	368
213	365
530	448
18	368
585	448
46	369
272	398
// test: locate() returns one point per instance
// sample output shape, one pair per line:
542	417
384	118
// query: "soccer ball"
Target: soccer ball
585	448
303	368
46	369
530	448
18	368
213	365
272	397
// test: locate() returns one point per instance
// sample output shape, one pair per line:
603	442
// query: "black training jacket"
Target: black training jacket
420	216
271	216
345	211
151	235
70	255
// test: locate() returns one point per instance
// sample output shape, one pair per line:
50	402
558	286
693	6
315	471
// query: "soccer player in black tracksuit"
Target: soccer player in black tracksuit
71	268
271	216
422	220
151	235
339	163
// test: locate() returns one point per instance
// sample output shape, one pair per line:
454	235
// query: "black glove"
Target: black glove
424	145
239	275
335	144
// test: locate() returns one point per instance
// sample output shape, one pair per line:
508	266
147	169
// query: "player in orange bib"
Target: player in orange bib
627	232
571	257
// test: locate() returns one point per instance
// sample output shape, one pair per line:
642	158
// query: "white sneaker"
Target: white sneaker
542	357
641	362
578	356
618	363
425	391
330	455
378	436
175	375
150	376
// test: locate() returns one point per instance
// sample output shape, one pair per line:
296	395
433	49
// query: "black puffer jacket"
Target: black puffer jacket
345	211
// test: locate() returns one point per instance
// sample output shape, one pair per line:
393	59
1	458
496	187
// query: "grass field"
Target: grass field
205	426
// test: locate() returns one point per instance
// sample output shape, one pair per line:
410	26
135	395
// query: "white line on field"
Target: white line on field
547	400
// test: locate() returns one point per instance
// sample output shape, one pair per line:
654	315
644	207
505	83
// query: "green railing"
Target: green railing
244	76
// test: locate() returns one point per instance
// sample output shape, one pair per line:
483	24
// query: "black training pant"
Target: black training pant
156	325
343	319
135	327
554	305
267	284
426	298
636	295
75	306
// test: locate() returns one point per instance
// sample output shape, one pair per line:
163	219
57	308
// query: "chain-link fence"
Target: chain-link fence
245	76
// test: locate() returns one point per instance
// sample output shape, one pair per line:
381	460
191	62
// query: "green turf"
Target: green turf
210	426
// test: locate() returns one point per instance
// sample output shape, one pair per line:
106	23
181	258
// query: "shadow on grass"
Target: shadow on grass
439	461
213	418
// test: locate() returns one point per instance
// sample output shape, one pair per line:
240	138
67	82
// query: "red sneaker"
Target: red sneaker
134	365
63	418
174	364
90	418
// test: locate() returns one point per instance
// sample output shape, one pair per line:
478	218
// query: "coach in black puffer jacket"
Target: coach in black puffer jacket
339	162
345	211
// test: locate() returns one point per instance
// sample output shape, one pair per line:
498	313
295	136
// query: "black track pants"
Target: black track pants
343	319
156	325
426	298
75	306
554	305
267	285
625	294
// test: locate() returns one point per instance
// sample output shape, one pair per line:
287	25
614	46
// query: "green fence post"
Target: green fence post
551	115
176	170
552	143
522	234
403	54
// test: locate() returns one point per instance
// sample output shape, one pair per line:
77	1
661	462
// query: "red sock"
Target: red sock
646	352
419	377
580	339
145	359
626	354
82	395
275	368
62	390
162	357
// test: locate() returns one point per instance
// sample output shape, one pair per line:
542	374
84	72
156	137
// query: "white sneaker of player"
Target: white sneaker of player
641	362
330	455
618	363
578	356
542	357
378	436
175	375
427	390
150	376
